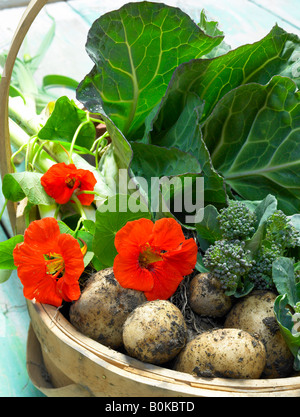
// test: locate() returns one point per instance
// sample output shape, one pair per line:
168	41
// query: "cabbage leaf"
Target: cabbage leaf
253	137
136	50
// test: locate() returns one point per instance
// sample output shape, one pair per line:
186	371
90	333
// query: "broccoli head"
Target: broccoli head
228	261
261	272
280	235
238	268
280	232
236	221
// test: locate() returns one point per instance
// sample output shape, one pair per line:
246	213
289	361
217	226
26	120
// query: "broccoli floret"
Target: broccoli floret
236	221
280	232
228	261
235	267
261	272
280	235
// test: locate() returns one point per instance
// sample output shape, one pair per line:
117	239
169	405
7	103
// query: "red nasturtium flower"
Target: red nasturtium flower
153	258
49	263
61	180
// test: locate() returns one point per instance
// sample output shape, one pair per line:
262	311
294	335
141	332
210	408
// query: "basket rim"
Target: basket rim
64	330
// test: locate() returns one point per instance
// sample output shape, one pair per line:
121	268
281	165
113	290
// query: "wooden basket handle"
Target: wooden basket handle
28	17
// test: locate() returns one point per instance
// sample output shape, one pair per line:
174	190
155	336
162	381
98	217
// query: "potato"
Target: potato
155	332
224	353
207	297
255	315
103	308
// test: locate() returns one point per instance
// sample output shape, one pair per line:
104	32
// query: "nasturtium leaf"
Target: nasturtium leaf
110	218
19	185
11	189
6	252
5	275
135	50
253	137
63	123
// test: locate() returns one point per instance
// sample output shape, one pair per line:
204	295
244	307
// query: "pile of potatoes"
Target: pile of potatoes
248	343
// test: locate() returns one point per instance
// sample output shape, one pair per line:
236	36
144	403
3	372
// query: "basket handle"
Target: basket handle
28	17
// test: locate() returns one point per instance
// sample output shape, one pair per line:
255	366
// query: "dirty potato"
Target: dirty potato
207	297
255	314
224	353
155	332
103	308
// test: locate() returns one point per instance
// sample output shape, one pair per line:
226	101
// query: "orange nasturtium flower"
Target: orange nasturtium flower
49	263
153	258
61	180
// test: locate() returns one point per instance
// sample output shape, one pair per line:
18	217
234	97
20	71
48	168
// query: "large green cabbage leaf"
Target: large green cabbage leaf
253	137
211	79
136	50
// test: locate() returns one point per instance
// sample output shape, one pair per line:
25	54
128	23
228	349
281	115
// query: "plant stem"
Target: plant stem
14	155
92	192
24	115
97	143
78	225
56	211
3	208
75	137
20	138
79	206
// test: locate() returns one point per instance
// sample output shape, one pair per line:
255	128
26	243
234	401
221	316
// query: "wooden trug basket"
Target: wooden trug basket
63	362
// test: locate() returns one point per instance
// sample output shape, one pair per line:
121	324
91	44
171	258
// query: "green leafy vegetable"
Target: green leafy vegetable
211	79
253	138
186	135
154	161
135	50
211	28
